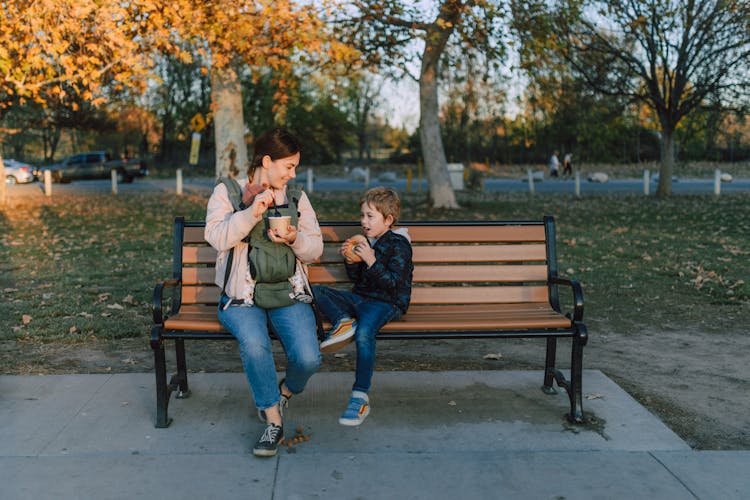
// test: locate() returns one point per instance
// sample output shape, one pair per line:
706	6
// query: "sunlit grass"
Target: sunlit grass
77	268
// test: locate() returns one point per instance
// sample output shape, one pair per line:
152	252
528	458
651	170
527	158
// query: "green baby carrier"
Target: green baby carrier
271	264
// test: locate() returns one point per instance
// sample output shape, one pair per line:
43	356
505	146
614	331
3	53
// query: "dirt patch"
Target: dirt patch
692	381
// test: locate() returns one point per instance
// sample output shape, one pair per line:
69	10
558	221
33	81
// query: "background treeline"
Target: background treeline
346	120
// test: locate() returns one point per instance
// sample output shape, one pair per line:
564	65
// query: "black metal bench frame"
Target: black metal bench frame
577	332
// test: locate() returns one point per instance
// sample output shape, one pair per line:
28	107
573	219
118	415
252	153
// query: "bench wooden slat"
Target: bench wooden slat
478	294
479	253
445	274
201	294
451	233
474	234
449	318
459	253
327	275
198	255
193	235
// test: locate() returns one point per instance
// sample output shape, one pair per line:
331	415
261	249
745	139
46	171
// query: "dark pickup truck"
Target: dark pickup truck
95	165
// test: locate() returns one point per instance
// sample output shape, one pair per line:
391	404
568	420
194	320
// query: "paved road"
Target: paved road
615	186
633	186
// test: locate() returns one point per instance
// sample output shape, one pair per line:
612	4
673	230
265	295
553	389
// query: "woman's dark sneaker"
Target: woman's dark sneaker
268	443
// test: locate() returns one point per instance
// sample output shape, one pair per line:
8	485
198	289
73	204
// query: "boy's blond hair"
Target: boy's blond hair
385	200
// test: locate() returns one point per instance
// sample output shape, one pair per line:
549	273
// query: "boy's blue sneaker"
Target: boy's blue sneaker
340	335
357	410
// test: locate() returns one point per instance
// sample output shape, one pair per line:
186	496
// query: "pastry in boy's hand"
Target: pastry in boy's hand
349	245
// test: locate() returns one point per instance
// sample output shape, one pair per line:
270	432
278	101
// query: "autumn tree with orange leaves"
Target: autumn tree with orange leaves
90	49
280	37
62	50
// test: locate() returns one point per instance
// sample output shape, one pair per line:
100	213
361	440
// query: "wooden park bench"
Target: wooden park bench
472	280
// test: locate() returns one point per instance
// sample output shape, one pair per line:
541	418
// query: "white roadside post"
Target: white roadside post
578	184
717	182
531	180
646	180
48	182
179	181
113	174
309	180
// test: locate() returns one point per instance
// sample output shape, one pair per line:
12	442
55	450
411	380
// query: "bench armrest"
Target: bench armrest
158	300
577	295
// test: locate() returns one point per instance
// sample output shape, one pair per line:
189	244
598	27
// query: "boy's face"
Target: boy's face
374	225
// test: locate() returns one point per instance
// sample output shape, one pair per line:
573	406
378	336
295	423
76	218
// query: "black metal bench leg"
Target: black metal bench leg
162	388
179	381
575	391
549	366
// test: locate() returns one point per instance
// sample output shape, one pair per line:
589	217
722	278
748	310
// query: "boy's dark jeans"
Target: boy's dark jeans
370	314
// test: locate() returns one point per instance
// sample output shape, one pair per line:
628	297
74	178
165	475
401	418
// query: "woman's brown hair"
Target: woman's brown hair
276	143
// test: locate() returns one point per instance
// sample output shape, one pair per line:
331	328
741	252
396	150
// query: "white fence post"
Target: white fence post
717	182
578	184
48	182
309	180
179	180
113	174
531	180
646	180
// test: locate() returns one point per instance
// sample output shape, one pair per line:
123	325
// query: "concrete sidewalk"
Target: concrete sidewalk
431	435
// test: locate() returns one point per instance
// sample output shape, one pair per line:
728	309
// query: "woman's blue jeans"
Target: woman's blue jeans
294	326
370	314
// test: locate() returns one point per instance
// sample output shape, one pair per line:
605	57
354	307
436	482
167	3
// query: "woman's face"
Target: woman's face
279	172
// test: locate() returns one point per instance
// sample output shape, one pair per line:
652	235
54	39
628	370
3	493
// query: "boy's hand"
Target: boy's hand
343	250
366	253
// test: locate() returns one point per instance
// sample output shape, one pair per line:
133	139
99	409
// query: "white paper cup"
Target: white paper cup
279	224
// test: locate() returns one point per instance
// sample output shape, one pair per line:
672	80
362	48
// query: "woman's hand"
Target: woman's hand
289	238
261	202
251	190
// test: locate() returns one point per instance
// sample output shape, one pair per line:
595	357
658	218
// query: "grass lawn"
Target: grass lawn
77	268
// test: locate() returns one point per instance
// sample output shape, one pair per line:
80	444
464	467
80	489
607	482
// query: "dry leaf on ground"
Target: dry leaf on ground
493	355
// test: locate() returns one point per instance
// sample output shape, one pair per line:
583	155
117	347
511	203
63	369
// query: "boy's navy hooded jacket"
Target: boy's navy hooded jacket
389	278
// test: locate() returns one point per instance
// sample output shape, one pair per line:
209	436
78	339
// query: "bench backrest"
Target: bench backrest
454	262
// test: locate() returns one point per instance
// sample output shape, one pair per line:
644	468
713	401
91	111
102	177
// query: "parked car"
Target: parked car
17	172
95	165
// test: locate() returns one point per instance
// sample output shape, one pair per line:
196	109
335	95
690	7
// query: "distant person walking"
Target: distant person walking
567	165
554	165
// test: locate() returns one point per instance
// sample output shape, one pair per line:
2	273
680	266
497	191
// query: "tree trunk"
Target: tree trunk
229	124
441	191
667	163
3	193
